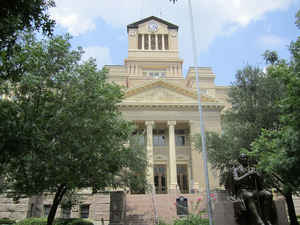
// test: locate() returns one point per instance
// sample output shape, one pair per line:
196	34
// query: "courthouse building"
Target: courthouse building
162	102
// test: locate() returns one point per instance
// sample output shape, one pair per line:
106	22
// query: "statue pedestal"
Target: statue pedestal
223	212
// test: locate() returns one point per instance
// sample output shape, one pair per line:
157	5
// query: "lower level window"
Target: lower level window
47	210
65	212
84	211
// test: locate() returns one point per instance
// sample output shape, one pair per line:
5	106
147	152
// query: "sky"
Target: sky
230	34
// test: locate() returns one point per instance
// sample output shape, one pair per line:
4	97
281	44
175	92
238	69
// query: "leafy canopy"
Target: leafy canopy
18	16
60	124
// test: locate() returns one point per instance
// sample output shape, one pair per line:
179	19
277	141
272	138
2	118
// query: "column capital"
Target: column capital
149	123
171	122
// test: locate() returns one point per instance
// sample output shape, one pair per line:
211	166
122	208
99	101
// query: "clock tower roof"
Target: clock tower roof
136	24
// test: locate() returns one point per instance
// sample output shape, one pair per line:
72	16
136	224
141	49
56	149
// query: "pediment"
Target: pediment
159	20
163	92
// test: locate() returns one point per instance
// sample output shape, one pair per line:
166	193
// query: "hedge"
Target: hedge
6	221
58	221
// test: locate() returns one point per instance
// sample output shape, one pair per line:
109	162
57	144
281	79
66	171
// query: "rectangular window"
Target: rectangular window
140	37
153	42
66	212
84	211
166	41
159	39
180	137
182	178
140	136
146	41
159	138
47	210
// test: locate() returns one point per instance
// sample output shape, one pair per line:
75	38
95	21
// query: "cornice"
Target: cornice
134	106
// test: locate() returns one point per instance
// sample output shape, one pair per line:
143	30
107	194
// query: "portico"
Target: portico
171	165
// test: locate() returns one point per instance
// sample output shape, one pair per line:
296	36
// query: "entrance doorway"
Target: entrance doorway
182	178
160	179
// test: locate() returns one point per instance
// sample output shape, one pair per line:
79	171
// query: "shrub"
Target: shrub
81	222
6	221
33	221
58	221
161	222
192	220
63	221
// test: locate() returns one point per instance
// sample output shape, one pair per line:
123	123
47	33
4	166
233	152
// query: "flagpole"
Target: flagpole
208	197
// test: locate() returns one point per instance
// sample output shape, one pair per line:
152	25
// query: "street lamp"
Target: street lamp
200	113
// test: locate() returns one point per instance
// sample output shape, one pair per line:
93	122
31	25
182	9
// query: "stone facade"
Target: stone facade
162	102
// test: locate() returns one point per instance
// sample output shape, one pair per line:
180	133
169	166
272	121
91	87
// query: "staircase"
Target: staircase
136	219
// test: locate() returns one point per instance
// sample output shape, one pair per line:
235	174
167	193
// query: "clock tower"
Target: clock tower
153	49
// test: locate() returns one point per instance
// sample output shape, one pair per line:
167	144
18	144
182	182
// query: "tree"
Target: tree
253	96
134	176
278	151
264	121
18	16
69	131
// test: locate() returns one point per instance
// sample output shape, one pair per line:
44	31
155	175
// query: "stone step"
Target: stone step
136	219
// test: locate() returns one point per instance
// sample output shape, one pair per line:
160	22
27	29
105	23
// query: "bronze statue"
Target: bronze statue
249	194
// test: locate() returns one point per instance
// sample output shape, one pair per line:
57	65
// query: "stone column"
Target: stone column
172	157
196	162
150	178
143	41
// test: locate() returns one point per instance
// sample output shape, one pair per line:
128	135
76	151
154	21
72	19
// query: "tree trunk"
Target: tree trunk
291	209
57	199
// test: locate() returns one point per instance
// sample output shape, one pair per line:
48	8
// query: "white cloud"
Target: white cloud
212	17
272	41
101	54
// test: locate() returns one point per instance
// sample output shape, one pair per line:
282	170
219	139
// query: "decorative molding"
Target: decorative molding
167	107
160	157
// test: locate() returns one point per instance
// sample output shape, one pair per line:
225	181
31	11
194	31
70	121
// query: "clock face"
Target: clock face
153	27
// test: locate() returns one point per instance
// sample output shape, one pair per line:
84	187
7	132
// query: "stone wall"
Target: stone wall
99	207
13	210
163	205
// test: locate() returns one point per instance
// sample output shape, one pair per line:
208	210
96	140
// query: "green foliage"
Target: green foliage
192	220
58	221
298	19
18	16
136	177
277	154
278	151
253	96
161	222
60	128
270	56
33	221
7	221
80	222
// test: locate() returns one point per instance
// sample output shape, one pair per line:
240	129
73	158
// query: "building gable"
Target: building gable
163	92
136	24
